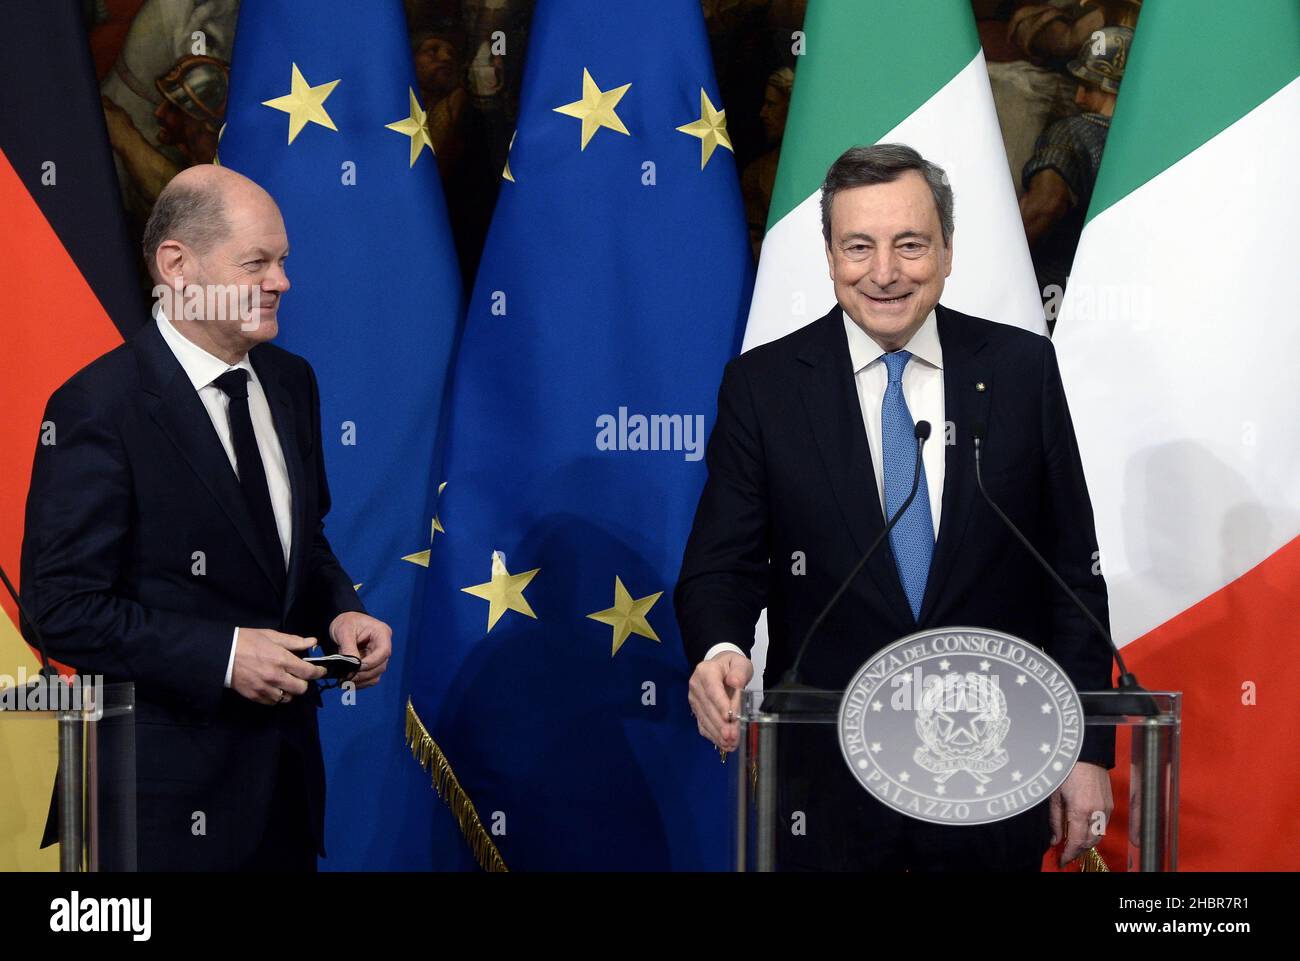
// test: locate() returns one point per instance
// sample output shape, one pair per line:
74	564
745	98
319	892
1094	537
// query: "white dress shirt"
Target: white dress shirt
923	391
203	369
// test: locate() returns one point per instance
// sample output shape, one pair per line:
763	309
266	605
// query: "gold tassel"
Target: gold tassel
430	757
1092	861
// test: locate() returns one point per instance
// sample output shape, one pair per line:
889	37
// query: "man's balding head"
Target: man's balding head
216	246
192	209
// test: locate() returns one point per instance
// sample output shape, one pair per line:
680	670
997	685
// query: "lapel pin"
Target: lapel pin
979	385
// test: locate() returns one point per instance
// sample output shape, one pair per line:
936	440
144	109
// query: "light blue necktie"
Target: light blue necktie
913	536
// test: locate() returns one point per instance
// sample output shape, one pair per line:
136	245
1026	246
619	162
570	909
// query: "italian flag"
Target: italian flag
893	71
1179	340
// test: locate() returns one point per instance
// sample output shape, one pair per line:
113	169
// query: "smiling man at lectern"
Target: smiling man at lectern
814	446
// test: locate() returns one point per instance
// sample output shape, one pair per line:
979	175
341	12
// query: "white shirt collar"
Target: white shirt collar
924	344
200	367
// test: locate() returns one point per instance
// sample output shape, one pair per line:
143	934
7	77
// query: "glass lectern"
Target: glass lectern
88	729
789	741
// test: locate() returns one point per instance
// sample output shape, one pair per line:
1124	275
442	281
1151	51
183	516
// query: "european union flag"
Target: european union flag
324	112
550	700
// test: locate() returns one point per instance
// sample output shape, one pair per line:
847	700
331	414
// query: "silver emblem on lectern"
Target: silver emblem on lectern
960	725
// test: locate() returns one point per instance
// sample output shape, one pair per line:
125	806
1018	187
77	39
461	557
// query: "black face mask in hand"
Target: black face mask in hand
338	668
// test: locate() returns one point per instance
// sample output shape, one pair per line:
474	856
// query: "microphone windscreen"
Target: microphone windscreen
923	429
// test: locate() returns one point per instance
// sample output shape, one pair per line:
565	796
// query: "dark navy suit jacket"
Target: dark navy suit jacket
135	485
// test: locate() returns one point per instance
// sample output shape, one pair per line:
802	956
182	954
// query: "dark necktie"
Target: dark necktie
252	475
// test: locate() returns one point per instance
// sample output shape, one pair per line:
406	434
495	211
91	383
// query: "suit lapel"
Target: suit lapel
282	414
830	398
175	406
965	404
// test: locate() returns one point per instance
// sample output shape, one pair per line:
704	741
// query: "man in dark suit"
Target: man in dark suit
175	538
813	448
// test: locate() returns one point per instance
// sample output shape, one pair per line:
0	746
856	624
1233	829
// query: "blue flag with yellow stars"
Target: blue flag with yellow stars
325	113
550	700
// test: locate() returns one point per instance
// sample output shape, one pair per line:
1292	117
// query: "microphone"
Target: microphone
1127	680
790	682
24	615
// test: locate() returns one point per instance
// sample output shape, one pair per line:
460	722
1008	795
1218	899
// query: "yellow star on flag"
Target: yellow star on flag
415	126
711	128
505	592
596	108
506	173
627	616
304	103
422	557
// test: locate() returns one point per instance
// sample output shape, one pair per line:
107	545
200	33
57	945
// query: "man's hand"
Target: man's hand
266	669
715	697
367	638
1080	810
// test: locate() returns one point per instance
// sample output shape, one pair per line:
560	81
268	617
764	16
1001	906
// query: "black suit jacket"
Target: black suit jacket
790	470
135	485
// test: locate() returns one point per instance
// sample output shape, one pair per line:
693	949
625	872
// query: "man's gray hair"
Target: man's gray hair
883	163
193	215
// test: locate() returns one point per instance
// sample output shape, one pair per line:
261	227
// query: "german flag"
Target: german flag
71	285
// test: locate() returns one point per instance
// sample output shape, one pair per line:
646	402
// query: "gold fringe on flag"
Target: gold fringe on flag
1092	861
425	750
